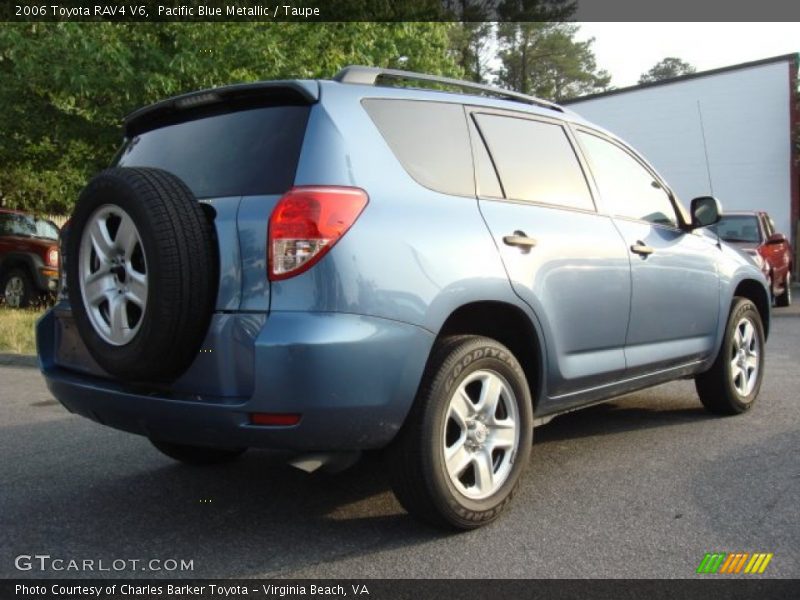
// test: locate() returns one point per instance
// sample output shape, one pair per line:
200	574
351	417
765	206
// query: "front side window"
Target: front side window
628	189
769	225
535	161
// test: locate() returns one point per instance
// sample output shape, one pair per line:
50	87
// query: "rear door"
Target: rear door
675	284
566	261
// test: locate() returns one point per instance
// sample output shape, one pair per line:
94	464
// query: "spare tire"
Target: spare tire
142	273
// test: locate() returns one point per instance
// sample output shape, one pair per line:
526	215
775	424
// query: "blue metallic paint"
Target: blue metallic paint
346	342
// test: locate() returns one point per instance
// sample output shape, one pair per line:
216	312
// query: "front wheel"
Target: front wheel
785	299
18	290
459	456
197	455
732	384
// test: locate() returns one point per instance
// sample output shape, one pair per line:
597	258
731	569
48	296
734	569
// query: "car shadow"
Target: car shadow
619	416
81	491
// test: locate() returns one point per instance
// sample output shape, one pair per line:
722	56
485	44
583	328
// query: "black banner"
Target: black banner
398	10
383	589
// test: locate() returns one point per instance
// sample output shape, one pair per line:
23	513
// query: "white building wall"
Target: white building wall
745	115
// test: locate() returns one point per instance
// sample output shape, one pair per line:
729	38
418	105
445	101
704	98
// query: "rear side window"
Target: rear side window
430	140
535	161
243	153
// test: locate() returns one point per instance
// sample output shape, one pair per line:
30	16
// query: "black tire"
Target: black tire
25	292
197	455
785	299
417	457
716	387
179	243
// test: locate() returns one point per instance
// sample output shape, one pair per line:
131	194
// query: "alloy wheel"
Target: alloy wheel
481	434
745	353
113	275
14	292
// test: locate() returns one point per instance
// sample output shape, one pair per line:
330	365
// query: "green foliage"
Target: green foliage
667	68
471	36
545	59
65	87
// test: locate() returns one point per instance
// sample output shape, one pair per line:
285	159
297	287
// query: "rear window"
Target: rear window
243	153
430	140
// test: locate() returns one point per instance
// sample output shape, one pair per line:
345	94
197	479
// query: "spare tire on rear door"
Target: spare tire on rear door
141	273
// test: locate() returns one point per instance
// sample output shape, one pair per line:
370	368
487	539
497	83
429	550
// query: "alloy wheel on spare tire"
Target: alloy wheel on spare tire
142	272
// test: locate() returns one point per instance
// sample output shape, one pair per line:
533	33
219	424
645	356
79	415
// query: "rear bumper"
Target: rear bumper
352	378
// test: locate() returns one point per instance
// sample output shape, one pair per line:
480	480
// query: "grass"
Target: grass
16	330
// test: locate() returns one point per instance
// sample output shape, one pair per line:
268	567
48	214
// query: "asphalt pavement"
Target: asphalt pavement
641	487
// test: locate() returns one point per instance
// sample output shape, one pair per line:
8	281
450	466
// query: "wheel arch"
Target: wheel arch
16	260
754	291
509	325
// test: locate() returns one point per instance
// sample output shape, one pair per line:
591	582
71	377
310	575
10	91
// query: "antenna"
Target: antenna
705	148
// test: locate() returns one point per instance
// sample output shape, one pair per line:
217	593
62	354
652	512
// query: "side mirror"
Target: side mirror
706	210
776	238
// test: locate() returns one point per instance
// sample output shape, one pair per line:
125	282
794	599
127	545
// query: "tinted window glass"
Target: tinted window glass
738	228
486	176
769	225
627	188
244	153
430	140
535	161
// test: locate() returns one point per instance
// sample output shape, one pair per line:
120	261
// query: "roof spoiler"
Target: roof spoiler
178	108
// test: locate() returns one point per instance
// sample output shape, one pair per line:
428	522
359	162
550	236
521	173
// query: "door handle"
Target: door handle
519	239
640	248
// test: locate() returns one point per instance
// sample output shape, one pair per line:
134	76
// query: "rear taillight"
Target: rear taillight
306	223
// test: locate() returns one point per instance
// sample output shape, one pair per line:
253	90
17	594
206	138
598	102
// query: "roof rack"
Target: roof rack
370	75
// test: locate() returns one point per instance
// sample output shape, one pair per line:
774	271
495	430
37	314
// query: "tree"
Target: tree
667	68
64	87
471	35
545	59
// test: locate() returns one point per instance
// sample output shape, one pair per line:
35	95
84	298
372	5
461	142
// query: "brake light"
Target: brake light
306	223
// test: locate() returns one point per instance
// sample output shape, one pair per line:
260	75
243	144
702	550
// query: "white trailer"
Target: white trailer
725	132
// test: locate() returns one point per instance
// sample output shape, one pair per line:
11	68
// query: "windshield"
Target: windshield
27	226
739	228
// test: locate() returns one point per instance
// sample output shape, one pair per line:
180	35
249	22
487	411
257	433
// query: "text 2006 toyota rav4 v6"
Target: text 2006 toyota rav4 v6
334	266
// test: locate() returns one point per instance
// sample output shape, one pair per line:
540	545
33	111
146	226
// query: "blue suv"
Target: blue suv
364	263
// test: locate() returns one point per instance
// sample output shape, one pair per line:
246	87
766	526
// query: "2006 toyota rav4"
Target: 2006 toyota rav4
335	266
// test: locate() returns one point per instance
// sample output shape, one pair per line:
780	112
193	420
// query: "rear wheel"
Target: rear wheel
18	290
459	456
732	384
198	455
785	299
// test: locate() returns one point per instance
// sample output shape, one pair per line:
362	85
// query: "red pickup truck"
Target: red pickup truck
754	232
28	258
